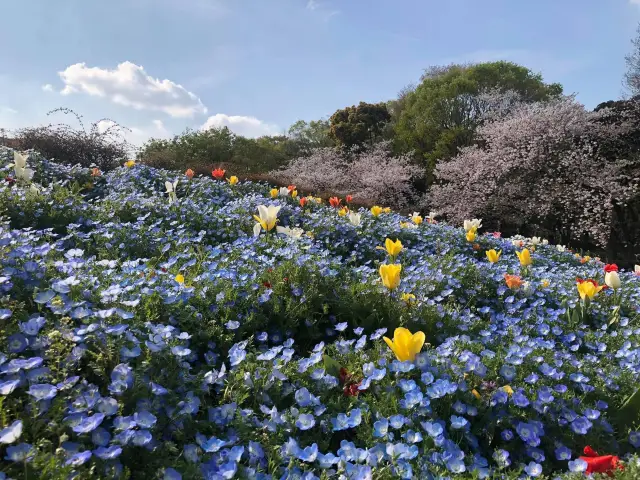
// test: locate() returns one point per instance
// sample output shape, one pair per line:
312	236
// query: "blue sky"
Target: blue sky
160	66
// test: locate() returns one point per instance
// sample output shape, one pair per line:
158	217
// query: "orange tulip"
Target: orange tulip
291	187
513	281
96	172
335	202
218	173
189	173
303	201
349	198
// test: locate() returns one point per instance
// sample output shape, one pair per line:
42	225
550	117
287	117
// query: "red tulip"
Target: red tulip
291	187
335	202
610	267
303	201
218	173
600	464
349	198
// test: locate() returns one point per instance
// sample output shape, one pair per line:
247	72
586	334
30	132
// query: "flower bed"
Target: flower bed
217	329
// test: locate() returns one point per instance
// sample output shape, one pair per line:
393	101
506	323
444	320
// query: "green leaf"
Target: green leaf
331	366
630	409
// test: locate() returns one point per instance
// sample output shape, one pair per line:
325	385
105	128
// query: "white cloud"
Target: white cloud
312	4
129	85
47	88
247	126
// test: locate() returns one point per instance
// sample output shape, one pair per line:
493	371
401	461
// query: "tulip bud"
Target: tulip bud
612	279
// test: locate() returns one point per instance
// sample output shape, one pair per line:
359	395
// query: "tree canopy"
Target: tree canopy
442	113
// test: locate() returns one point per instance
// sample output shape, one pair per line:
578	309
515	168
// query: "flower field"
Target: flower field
162	325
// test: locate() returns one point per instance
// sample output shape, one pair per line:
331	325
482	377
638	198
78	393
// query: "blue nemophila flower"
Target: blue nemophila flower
533	469
79	459
581	425
9	386
381	428
305	421
88	424
11	433
42	391
578	465
108	453
458	423
23	452
171	474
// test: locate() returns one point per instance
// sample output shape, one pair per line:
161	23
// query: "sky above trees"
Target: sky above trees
159	66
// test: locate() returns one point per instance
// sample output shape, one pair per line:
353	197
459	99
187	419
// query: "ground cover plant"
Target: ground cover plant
166	325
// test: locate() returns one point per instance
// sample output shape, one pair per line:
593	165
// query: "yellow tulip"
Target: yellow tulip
545	283
386	209
130	163
476	394
232	180
343	212
391	247
404	225
180	278
405	345
376	210
588	289
274	192
417	219
493	256
471	235
390	274
525	257
294	193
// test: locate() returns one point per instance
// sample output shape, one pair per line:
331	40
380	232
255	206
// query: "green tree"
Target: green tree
304	137
440	115
357	125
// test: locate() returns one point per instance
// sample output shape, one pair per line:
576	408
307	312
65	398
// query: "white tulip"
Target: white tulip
284	192
266	218
22	173
561	248
637	269
171	190
471	224
536	241
354	218
612	279
432	215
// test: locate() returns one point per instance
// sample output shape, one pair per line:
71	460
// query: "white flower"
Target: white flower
354	218
560	248
536	241
471	224
637	269
284	192
432	215
266	218
290	232
22	173
612	279
171	190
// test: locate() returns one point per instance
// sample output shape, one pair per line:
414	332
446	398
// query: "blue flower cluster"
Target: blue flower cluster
161	339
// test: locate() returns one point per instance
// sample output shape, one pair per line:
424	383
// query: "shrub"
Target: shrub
370	174
540	169
103	145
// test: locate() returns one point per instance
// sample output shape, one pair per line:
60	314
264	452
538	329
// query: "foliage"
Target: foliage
104	147
373	175
540	170
203	150
440	116
359	125
305	137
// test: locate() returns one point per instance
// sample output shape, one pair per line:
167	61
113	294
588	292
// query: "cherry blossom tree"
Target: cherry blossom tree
539	170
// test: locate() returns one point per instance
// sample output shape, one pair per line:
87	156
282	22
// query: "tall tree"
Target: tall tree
441	114
632	76
358	125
